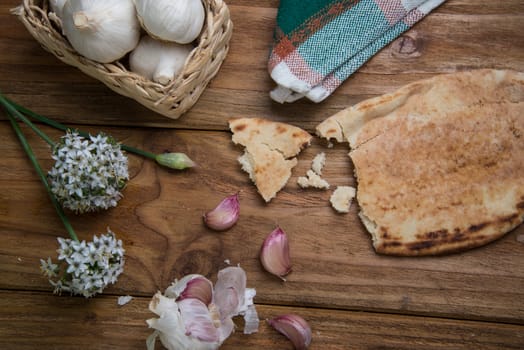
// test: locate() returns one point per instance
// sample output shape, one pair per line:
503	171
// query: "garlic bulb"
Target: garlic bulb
57	7
171	20
101	30
192	315
158	61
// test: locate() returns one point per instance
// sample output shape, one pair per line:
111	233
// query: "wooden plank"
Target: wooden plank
55	322
459	35
159	220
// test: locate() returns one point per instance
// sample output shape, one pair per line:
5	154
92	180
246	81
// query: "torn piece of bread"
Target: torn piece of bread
342	197
318	163
439	162
312	179
270	151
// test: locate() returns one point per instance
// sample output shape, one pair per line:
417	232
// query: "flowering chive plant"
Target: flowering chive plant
88	174
87	267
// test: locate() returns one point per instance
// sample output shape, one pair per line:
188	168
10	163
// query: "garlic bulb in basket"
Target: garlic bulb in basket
158	61
171	20
57	6
101	30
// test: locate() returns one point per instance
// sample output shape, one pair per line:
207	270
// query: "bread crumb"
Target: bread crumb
318	163
124	300
342	197
312	180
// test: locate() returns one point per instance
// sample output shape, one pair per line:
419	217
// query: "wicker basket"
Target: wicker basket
169	100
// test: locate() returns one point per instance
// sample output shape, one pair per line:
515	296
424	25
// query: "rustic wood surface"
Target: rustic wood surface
352	297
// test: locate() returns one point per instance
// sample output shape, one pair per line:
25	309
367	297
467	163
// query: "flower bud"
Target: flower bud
177	161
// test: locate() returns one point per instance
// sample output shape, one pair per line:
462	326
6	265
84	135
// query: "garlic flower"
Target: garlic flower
101	30
88	174
158	61
194	316
87	267
180	21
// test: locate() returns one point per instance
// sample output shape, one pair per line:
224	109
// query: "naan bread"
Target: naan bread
270	151
439	162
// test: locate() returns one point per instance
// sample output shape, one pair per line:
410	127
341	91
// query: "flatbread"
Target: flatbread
439	162
270	151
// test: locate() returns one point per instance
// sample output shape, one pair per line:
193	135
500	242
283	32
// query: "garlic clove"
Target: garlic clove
198	288
225	215
274	255
295	328
230	291
191	286
198	320
181	325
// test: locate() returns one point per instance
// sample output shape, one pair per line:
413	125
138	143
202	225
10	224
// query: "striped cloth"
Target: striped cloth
319	43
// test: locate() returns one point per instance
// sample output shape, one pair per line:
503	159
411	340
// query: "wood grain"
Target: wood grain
459	35
352	297
160	222
56	322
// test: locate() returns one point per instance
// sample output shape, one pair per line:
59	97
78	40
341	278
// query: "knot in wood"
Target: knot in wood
408	45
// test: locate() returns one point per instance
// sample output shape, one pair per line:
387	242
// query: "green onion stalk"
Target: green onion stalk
11	113
173	160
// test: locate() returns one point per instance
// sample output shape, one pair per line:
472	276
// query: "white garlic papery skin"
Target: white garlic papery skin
192	315
101	30
180	21
158	61
57	7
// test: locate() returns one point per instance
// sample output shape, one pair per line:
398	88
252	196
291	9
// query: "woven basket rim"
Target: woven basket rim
171	100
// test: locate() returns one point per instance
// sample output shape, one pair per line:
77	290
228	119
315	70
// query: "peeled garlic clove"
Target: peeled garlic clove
274	254
180	21
295	328
158	61
225	215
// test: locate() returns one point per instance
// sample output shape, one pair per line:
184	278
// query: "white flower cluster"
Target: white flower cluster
88	174
89	267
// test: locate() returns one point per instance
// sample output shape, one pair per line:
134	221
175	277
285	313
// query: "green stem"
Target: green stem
41	175
13	111
62	127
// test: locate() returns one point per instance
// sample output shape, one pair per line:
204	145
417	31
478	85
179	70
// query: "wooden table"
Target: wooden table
352	297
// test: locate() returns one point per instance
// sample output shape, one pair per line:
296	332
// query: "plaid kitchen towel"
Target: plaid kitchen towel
320	43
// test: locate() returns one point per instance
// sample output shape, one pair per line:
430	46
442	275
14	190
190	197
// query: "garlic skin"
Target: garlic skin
225	215
194	315
101	30
295	328
180	21
158	61
274	254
